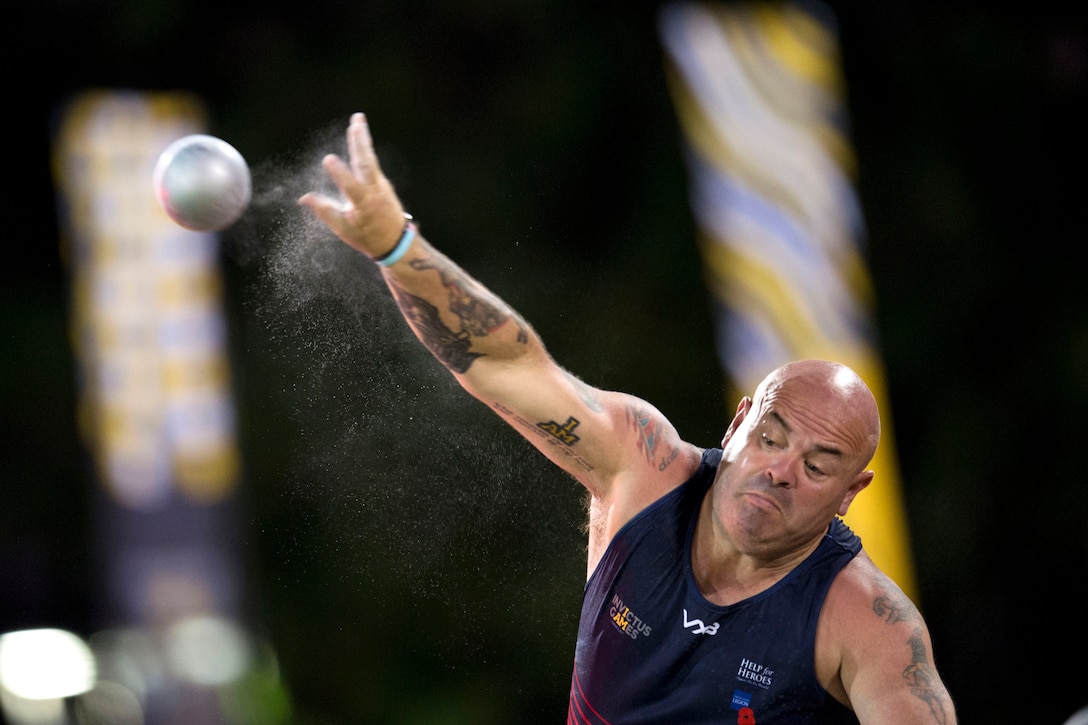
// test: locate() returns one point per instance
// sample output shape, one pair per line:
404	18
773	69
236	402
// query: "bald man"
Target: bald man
722	585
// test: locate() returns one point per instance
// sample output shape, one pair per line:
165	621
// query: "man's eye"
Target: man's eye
768	441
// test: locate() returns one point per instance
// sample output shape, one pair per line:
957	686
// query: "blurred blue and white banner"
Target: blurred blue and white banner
759	93
156	413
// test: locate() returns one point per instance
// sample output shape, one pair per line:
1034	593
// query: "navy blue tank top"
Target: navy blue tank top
652	649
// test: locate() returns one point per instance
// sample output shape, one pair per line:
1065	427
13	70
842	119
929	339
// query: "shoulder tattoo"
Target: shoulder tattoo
649	426
894	607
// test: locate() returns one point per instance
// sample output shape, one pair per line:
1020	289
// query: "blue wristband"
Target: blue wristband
403	243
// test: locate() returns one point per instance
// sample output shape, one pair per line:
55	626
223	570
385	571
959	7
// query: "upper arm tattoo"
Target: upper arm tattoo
922	678
558	438
587	393
920	675
562	432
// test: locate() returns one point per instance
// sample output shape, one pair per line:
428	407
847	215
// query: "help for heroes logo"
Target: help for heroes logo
754	673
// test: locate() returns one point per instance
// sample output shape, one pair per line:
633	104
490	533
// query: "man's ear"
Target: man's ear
863	479
742	410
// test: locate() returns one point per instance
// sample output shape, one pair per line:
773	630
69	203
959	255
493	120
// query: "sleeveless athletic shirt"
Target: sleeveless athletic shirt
652	649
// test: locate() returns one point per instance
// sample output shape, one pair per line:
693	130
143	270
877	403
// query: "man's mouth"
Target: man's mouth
762	500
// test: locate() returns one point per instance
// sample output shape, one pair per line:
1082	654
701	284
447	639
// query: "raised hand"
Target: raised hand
369	216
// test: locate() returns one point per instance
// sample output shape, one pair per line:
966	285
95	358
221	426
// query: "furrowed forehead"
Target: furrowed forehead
777	419
827	399
826	431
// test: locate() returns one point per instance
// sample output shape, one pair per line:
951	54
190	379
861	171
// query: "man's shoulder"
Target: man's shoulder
862	594
865	614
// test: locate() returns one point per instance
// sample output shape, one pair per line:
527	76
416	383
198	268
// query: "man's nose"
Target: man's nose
781	471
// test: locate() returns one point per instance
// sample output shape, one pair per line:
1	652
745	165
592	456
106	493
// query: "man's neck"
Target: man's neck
724	573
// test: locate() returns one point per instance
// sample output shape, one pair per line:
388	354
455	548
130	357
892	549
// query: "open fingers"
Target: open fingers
326	209
356	154
364	164
367	209
351	188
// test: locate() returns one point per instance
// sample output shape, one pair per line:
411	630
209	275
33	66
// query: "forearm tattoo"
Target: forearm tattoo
478	314
451	348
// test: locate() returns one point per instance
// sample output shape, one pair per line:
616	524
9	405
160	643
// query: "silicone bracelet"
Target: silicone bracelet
403	244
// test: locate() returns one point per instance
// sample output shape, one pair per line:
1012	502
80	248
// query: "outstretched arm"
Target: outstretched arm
621	448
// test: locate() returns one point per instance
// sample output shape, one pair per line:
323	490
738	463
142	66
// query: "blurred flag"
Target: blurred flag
155	410
147	321
759	93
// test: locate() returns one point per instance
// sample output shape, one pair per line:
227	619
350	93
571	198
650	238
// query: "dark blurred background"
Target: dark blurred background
408	558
